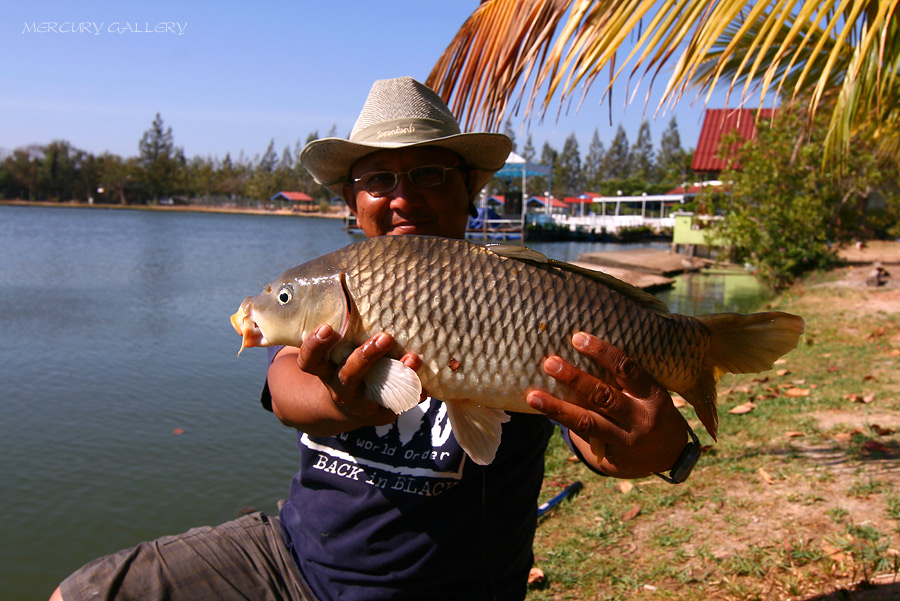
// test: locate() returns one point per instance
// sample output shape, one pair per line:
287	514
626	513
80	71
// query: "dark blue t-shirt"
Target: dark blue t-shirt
400	511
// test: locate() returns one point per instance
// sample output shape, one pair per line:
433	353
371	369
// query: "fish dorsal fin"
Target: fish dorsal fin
392	384
517	251
528	255
477	429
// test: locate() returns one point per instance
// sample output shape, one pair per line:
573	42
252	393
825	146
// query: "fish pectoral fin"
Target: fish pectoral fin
477	429
392	384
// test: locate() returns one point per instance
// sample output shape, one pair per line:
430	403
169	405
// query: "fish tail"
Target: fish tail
739	344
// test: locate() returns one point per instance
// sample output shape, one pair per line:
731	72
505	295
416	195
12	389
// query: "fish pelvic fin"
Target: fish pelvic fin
740	344
392	384
477	429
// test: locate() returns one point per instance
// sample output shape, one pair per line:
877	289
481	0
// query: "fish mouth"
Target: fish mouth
243	324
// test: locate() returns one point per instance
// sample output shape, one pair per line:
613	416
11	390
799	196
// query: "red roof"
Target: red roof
717	123
296	196
578	200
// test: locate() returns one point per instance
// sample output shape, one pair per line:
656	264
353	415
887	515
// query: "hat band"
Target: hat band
399	132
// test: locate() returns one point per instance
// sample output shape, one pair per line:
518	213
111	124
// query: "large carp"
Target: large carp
483	318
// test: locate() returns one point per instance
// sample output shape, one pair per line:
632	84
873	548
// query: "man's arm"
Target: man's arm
627	414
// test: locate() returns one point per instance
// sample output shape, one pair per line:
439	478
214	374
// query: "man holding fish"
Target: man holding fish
400	495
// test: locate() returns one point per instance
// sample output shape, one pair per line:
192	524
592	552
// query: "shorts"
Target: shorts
242	559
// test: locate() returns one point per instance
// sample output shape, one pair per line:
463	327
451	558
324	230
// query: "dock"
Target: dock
647	268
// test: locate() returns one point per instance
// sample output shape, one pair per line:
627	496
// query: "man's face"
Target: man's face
440	210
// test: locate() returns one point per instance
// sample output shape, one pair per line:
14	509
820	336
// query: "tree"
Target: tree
510	133
642	159
567	178
840	58
618	159
671	165
528	152
784	214
538	185
595	163
158	160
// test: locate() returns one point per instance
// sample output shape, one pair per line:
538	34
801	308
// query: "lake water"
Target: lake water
116	338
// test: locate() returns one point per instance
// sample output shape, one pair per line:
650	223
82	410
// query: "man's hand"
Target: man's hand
344	382
627	414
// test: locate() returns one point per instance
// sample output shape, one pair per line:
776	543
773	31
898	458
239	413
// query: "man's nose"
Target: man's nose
405	193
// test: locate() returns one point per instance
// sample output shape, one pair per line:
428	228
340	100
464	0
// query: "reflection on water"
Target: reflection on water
715	292
115	334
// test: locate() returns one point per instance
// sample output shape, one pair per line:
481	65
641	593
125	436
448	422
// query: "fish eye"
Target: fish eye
285	295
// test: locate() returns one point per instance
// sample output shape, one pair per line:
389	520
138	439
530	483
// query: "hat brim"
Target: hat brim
329	159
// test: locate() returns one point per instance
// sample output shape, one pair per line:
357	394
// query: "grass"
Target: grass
799	498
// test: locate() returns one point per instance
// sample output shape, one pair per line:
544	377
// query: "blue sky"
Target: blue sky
231	76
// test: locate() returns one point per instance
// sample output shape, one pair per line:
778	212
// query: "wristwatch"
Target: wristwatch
686	461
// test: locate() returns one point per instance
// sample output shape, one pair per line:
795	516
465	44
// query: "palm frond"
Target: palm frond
835	55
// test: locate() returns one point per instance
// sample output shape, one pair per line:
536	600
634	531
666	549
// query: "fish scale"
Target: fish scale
483	319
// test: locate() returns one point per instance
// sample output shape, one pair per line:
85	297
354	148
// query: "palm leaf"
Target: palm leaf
840	56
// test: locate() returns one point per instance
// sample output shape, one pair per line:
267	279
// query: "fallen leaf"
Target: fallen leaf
536	576
842	437
874	446
573	458
794	434
796	392
832	368
766	476
743	408
678	401
881	431
631	513
625	486
800	382
780	362
858	398
894	353
869	377
782	372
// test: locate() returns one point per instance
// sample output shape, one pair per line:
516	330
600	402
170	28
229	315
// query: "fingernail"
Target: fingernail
323	332
580	340
552	365
383	341
535	401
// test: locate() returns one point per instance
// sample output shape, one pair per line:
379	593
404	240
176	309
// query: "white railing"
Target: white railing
612	223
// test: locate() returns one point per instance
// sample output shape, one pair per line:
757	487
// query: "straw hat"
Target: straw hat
398	113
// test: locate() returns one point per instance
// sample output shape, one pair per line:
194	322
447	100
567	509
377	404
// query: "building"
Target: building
711	157
297	201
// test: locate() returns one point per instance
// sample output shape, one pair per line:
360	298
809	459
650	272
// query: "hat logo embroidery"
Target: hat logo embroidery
396	131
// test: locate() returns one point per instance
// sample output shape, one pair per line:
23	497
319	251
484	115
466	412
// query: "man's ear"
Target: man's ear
349	197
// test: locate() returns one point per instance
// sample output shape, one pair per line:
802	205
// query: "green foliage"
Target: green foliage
785	214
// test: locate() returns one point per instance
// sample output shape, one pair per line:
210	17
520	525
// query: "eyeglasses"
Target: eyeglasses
380	183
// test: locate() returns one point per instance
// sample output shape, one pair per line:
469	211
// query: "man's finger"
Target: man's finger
619	370
586	422
314	349
364	357
589	392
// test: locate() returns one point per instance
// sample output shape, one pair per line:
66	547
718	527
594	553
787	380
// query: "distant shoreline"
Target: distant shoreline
177	208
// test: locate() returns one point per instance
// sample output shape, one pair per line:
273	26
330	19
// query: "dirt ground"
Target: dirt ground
816	493
845	470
